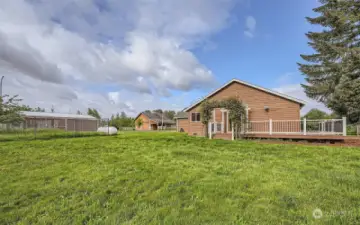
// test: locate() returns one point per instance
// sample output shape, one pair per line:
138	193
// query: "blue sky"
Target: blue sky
119	55
269	57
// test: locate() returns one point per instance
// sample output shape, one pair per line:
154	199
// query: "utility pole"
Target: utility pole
1	82
162	120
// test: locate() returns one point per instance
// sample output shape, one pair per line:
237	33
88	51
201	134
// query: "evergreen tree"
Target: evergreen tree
158	111
26	108
94	113
38	109
29	109
170	114
123	115
333	72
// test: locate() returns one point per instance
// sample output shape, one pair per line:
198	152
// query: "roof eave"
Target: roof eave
300	102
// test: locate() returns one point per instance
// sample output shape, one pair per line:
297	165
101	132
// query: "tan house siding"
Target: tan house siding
146	123
183	124
279	108
196	128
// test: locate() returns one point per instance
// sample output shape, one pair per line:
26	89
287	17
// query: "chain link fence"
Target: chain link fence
42	128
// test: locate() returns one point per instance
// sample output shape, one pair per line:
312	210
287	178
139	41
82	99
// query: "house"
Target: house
153	121
67	122
261	105
182	122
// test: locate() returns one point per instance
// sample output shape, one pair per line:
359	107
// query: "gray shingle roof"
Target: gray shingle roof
181	115
158	117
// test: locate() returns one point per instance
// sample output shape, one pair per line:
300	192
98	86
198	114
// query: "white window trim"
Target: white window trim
228	123
195	117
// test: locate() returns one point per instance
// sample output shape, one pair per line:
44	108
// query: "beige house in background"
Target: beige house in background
262	105
153	121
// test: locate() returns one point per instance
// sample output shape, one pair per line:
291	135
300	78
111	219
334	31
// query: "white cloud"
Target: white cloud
295	90
51	51
250	24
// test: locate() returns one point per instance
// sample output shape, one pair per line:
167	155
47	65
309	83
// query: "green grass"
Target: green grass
43	134
170	178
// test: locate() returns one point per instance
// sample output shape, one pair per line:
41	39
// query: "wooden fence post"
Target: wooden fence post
344	126
304	126
270	126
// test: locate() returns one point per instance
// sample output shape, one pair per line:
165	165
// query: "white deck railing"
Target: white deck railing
288	127
298	127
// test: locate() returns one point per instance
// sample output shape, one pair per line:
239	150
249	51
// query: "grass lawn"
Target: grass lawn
43	134
170	178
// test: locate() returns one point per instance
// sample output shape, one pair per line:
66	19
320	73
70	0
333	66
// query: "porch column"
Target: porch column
222	121
247	119
210	130
344	126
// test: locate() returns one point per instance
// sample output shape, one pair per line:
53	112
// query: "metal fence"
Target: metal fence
44	128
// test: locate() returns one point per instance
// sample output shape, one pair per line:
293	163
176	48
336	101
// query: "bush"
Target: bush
351	130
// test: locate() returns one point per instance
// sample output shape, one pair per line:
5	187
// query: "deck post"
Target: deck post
270	126
332	126
304	126
210	131
344	126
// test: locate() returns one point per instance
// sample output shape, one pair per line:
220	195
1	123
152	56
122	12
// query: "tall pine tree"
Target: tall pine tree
333	72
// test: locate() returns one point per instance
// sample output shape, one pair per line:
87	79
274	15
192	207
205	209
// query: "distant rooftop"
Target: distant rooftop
157	117
56	115
181	115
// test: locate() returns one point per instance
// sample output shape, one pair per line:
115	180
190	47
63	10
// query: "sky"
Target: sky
120	55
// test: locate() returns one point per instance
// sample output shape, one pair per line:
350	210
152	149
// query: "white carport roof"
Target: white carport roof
56	115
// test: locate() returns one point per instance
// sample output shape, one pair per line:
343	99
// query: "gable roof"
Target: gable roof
301	102
157	117
181	115
56	115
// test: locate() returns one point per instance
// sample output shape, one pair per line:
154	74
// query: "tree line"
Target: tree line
121	120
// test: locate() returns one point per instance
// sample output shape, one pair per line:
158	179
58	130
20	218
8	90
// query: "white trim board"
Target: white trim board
301	102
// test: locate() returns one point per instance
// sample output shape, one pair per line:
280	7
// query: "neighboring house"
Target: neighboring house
153	121
182	122
261	105
67	122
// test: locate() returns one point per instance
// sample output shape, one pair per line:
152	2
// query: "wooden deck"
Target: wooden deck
310	138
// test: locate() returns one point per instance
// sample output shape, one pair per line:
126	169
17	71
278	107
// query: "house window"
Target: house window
195	117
